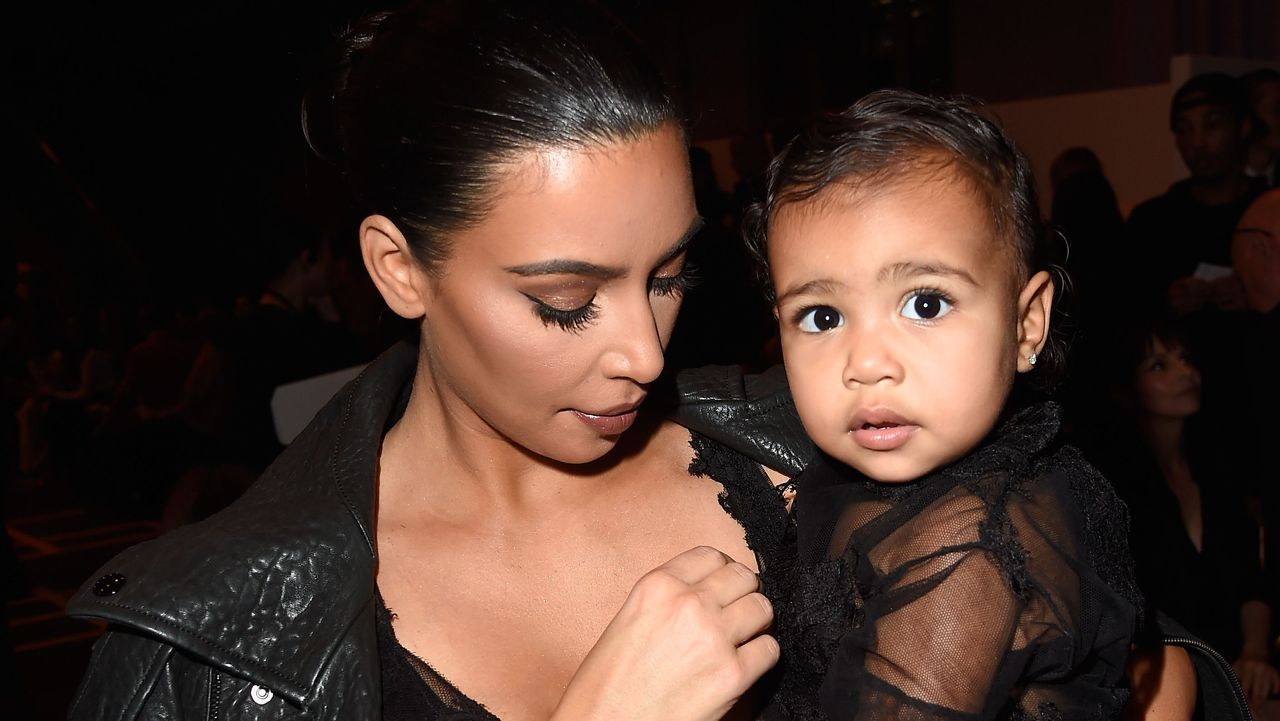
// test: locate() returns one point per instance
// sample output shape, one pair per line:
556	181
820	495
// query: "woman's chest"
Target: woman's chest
506	616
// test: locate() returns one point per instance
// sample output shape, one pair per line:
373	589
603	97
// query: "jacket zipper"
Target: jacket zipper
1241	701
215	696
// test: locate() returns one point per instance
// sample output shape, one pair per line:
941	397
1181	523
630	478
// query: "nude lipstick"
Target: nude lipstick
609	423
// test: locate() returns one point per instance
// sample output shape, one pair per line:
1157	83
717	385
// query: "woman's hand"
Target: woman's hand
685	646
1258	678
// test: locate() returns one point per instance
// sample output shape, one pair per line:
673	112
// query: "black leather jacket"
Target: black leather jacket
265	610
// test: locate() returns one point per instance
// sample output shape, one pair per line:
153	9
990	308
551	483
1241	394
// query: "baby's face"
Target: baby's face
899	322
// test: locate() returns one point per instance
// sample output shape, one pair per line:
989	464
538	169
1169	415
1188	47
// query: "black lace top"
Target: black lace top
999	587
413	691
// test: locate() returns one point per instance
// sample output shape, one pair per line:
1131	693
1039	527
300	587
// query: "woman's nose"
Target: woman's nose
637	352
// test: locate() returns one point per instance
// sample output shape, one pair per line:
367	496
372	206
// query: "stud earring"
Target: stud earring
1032	359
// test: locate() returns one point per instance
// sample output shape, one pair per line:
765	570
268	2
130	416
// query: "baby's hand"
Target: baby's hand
686	645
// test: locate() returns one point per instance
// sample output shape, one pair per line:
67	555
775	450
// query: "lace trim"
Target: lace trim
747	496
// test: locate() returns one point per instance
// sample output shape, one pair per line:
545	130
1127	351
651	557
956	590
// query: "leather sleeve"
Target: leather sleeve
750	413
129	677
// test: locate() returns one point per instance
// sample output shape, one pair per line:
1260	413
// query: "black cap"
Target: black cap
1211	89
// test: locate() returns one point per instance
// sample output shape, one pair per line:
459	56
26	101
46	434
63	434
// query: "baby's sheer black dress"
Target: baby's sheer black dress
998	587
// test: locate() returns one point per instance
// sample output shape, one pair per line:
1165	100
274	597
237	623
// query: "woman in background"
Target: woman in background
1194	542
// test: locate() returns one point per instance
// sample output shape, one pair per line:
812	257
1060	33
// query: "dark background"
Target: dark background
142	140
142	145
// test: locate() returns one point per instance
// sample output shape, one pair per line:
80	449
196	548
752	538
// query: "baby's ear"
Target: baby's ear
395	272
1035	303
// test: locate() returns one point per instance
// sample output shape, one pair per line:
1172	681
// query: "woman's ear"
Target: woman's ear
1035	303
395	272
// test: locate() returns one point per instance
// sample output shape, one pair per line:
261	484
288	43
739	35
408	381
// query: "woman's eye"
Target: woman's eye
668	285
819	319
573	320
926	305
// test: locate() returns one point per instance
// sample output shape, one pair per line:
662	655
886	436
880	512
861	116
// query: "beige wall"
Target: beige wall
1128	129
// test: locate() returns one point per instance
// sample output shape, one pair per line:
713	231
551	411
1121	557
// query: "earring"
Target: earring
1032	359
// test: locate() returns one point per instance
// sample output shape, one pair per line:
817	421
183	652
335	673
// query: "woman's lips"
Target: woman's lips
608	424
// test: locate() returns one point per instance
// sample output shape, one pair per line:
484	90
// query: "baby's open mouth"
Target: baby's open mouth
881	429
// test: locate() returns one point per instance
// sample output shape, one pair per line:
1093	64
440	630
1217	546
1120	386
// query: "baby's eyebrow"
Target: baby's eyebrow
910	269
813	287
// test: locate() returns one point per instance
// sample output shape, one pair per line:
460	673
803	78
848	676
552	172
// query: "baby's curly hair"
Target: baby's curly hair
893	136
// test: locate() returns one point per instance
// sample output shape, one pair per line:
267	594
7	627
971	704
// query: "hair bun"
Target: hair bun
319	111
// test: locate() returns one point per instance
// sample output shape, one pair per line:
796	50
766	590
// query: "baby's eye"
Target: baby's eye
926	305
819	319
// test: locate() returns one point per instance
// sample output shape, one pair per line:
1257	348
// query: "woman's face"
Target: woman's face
548	323
1168	384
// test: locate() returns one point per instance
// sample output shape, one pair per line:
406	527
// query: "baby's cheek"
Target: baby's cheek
815	400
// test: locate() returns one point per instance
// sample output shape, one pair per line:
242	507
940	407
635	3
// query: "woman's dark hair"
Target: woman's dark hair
892	136
432	101
1131	342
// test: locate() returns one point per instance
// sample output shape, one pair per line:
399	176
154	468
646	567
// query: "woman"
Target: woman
1194	543
454	535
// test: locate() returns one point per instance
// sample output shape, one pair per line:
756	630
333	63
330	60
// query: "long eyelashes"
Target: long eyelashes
665	285
572	321
926	305
576	319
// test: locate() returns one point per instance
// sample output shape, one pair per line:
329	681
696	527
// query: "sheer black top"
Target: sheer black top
1000	586
413	691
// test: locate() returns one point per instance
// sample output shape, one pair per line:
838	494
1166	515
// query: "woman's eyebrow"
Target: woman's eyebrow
695	226
566	266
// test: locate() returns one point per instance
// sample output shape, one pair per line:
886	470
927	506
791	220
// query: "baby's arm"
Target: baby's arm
935	645
974	592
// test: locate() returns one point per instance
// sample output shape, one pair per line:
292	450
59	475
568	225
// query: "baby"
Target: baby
957	561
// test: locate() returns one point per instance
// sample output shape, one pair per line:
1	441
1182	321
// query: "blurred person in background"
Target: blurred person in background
1196	545
1263	86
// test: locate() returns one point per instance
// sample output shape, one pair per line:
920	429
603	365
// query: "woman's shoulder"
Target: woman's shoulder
272	565
281	571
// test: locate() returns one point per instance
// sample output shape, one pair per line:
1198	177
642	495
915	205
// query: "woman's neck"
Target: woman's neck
441	448
1164	437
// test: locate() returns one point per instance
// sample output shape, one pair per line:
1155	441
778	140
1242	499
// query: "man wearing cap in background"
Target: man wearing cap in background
1181	241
